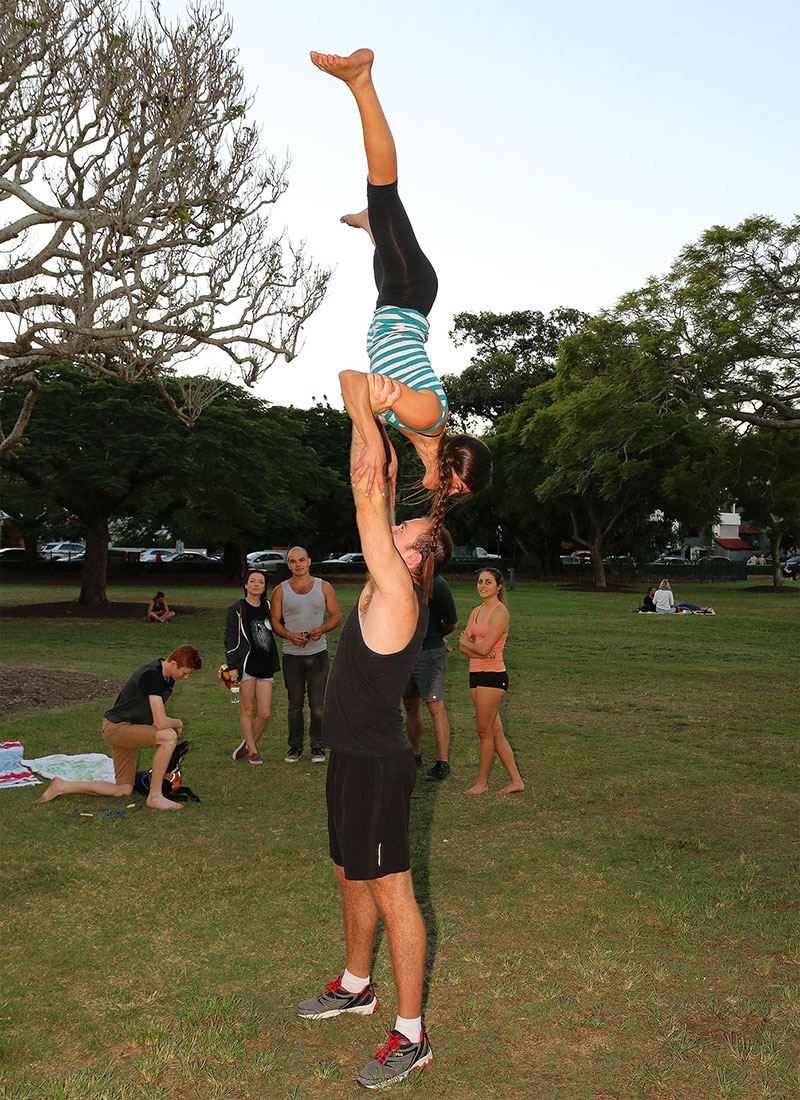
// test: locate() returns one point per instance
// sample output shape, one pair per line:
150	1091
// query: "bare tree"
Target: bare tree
136	193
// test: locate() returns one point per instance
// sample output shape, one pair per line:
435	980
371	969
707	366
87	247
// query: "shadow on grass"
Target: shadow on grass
423	808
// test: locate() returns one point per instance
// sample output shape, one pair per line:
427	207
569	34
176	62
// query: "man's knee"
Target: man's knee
167	737
413	704
436	706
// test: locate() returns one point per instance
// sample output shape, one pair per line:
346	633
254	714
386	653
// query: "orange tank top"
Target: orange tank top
488	664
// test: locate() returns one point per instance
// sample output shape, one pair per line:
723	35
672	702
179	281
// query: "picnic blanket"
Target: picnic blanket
85	766
13	773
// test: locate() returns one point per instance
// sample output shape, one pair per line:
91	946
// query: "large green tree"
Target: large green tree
610	447
241	474
725	322
512	353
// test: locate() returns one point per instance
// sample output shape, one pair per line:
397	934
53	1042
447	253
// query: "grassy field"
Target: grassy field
626	928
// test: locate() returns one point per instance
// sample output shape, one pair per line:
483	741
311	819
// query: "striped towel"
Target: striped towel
12	773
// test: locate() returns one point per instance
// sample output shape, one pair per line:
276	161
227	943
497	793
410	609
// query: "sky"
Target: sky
550	154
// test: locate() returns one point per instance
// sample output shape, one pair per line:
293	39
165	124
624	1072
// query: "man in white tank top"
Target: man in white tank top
299	607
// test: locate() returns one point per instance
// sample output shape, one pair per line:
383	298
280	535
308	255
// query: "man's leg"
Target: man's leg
165	743
414	723
317	678
394	897
294	677
360	917
441	728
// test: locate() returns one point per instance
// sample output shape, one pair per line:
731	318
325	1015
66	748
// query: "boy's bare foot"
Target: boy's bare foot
358	221
478	789
53	791
513	788
348	69
158	802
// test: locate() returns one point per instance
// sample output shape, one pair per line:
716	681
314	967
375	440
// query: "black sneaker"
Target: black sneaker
293	755
318	756
440	770
336	1000
395	1060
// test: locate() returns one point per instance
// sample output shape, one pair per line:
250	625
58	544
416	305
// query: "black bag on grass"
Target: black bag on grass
171	787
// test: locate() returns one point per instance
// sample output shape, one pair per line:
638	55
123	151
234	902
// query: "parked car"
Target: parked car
267	560
670	559
61	550
791	567
156	553
473	553
347	559
185	556
577	557
12	553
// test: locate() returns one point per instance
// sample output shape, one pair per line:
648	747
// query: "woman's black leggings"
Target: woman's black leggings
404	275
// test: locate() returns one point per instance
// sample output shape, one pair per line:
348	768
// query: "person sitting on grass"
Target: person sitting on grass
138	720
647	602
158	611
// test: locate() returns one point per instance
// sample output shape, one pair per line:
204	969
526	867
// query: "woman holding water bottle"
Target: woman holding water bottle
252	661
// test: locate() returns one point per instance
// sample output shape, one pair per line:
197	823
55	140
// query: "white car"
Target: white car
156	553
62	551
346	559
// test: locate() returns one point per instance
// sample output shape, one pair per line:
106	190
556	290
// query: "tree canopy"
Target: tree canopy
136	233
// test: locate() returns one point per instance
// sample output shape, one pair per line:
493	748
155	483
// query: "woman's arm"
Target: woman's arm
370	464
497	627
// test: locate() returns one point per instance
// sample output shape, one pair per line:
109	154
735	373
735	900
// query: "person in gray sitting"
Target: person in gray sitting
299	609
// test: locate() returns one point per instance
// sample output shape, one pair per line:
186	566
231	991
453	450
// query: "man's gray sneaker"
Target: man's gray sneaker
395	1060
293	755
317	756
336	1000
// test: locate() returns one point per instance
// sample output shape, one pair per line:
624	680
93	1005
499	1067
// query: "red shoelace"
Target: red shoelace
392	1047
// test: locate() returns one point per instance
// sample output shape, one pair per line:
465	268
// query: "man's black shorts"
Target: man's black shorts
369	801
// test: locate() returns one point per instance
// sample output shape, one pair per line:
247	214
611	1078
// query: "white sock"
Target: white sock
351	983
412	1029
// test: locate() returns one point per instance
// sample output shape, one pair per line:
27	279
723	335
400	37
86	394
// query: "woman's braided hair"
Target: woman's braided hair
437	546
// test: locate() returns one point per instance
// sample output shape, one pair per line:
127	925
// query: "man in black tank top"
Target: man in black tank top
371	774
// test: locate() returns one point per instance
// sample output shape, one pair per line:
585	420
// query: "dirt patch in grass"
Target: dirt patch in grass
74	610
30	686
784	590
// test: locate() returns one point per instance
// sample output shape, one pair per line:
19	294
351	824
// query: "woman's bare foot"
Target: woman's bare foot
513	788
358	221
348	69
478	789
53	791
158	802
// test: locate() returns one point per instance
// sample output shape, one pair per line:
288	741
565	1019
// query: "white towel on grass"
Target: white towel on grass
88	766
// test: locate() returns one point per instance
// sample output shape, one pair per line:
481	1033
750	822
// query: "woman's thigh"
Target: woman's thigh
247	694
263	697
487	703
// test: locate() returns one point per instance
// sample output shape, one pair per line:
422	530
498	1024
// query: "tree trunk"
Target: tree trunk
95	564
598	569
31	556
775	547
234	560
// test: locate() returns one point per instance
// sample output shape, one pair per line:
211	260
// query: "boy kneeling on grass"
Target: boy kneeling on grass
138	720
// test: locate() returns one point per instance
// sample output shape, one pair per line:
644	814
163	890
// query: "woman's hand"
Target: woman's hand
383	392
370	466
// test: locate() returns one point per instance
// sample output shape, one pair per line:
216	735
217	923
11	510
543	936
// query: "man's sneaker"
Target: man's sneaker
336	1000
317	756
395	1061
440	770
241	752
254	758
293	755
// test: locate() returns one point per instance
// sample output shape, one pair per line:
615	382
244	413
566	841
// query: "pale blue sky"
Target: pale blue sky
550	154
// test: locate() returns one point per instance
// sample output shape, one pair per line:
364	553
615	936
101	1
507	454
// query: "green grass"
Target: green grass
627	928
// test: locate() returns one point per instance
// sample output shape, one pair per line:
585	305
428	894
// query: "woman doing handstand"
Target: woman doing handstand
401	387
483	642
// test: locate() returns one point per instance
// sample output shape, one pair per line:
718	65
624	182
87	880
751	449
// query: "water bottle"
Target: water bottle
234	693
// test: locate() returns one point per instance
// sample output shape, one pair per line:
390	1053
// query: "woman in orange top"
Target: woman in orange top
483	642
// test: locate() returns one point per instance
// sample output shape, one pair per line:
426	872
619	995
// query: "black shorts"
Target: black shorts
369	802
489	680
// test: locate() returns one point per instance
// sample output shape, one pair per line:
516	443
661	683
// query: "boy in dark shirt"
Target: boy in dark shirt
138	720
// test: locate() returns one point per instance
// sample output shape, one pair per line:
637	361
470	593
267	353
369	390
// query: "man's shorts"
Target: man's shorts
125	740
427	679
369	801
